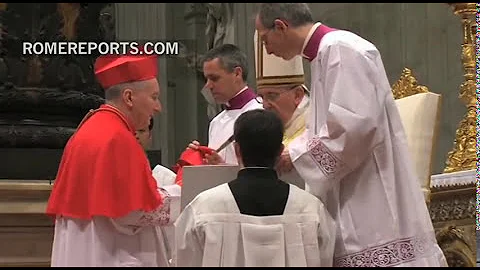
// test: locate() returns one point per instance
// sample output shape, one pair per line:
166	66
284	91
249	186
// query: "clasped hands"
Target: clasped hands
284	163
212	158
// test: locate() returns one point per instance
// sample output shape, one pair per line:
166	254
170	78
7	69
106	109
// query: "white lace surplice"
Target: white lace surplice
354	157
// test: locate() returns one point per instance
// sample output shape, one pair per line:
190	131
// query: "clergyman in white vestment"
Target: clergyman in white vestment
256	219
225	69
354	152
281	89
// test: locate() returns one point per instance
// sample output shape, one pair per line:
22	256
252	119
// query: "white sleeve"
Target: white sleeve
188	247
166	214
350	109
163	176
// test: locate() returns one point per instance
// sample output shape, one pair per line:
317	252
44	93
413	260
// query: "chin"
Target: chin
288	57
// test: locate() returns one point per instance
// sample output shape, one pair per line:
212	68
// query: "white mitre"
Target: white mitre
274	71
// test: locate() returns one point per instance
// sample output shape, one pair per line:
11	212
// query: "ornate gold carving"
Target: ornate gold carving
452	211
456	208
69	13
463	155
455	247
407	85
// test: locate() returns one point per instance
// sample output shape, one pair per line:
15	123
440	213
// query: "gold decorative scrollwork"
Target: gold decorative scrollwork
463	156
407	85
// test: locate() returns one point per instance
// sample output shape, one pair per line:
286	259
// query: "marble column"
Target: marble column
244	31
183	112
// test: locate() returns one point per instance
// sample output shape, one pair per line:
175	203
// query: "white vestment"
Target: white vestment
294	128
354	156
211	231
166	177
221	128
137	239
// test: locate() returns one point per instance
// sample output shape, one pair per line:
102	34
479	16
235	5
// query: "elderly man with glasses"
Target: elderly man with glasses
281	89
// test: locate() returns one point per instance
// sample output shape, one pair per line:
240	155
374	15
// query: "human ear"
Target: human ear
299	94
237	153
238	72
127	96
280	25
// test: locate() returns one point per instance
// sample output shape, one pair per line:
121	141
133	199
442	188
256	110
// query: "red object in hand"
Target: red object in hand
190	157
205	150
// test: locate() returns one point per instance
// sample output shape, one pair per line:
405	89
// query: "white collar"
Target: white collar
309	36
243	89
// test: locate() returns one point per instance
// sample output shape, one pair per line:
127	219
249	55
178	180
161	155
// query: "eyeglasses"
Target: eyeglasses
273	96
270	29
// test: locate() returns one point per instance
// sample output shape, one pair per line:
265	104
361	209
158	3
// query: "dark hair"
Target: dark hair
230	57
259	134
150	127
296	14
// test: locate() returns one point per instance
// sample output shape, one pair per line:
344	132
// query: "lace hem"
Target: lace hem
325	159
389	254
160	216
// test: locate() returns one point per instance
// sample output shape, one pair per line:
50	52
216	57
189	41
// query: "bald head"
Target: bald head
115	92
296	14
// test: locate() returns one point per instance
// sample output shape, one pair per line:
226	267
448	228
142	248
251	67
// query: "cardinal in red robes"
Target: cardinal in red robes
108	208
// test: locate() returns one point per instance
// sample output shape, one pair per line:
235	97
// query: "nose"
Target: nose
158	106
208	84
268	49
266	105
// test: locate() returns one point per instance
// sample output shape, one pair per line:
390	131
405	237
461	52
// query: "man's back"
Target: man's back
217	234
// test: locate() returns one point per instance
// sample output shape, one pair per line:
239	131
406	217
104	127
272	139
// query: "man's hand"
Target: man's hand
210	159
193	145
213	159
284	164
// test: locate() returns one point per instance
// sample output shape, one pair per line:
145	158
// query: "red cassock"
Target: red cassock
104	170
